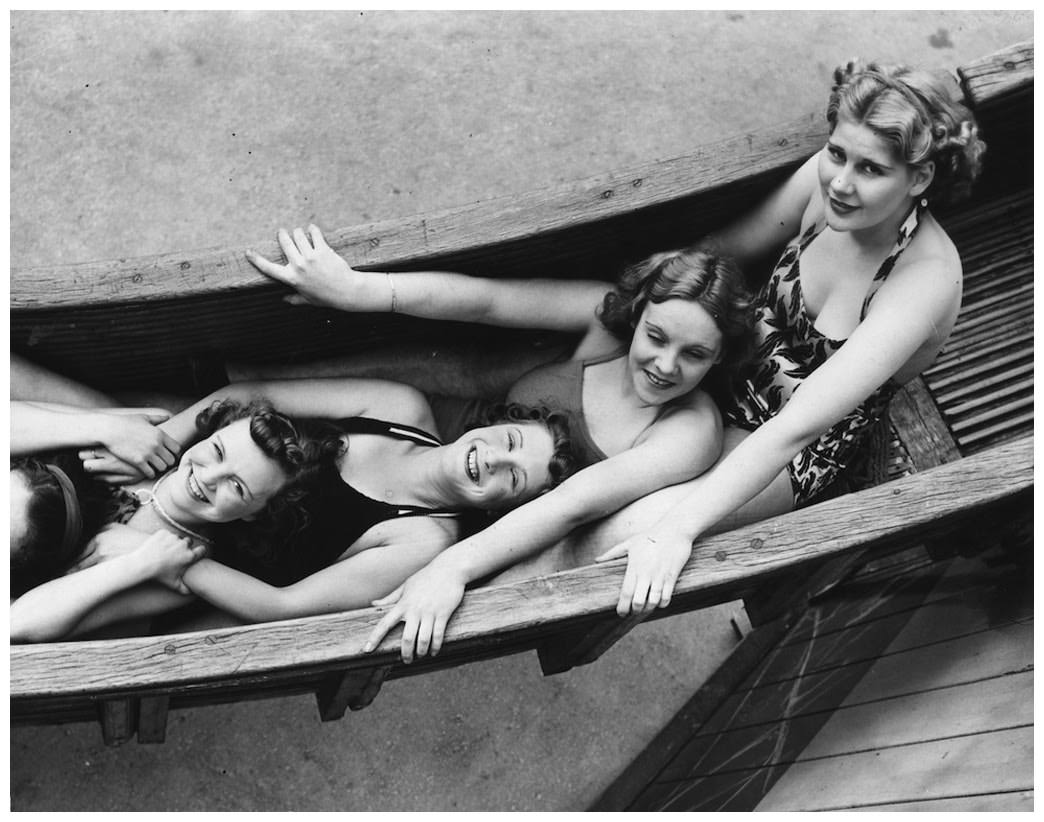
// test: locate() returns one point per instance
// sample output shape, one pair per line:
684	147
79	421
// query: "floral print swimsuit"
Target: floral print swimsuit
789	348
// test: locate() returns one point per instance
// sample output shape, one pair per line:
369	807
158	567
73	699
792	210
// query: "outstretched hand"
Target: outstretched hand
653	565
424	604
314	270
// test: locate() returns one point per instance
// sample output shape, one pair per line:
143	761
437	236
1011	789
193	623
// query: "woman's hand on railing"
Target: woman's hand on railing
424	604
320	276
654	562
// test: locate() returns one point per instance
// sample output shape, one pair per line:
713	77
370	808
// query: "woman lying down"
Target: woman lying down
264	514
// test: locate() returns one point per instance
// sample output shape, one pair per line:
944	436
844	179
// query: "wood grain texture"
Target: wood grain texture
1013	801
921	427
720	567
998	74
1001	761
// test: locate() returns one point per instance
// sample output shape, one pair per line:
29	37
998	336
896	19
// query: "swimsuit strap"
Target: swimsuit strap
398	431
907	231
395	430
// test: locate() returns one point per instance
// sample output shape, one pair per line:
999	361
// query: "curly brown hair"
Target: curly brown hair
697	274
301	447
563	461
917	112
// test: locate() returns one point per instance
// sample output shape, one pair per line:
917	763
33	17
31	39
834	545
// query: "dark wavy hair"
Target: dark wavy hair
301	447
563	461
46	551
697	274
916	112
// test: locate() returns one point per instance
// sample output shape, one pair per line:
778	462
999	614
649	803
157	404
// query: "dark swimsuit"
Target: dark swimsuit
338	514
789	349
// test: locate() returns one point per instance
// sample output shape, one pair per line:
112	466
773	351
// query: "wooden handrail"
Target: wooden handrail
721	568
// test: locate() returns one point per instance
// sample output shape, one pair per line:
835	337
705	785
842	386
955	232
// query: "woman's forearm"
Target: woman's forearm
54	609
236	593
740	476
36	427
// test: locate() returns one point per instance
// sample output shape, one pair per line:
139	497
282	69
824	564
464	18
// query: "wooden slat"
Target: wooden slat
999	74
1013	426
1019	335
622	792
979	763
1018	374
1016	801
570	649
351	689
118	719
721	566
970	372
958	710
1011	409
152	719
1023	386
915	416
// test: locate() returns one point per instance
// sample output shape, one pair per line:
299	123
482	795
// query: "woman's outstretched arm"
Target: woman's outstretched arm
76	601
131	434
321	277
907	314
384	560
679	447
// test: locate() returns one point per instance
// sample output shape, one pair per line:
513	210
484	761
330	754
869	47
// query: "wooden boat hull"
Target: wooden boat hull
135	323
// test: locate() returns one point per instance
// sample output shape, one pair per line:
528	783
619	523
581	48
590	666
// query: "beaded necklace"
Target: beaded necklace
151	498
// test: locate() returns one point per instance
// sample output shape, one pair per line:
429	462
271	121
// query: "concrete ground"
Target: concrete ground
144	132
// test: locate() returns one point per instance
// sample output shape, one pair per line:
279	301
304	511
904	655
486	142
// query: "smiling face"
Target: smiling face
501	466
224	478
675	344
865	184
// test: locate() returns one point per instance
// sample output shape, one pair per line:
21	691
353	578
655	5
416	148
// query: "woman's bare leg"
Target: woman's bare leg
590	541
452	369
30	381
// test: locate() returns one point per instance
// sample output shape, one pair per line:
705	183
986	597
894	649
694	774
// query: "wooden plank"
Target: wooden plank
1018	801
152	719
353	689
924	433
118	719
630	784
722	566
1021	386
1000	761
999	74
398	243
1017	331
1014	426
969	372
567	650
1013	407
899	669
1004	701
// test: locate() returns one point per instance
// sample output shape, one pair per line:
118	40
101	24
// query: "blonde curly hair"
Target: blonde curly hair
916	111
